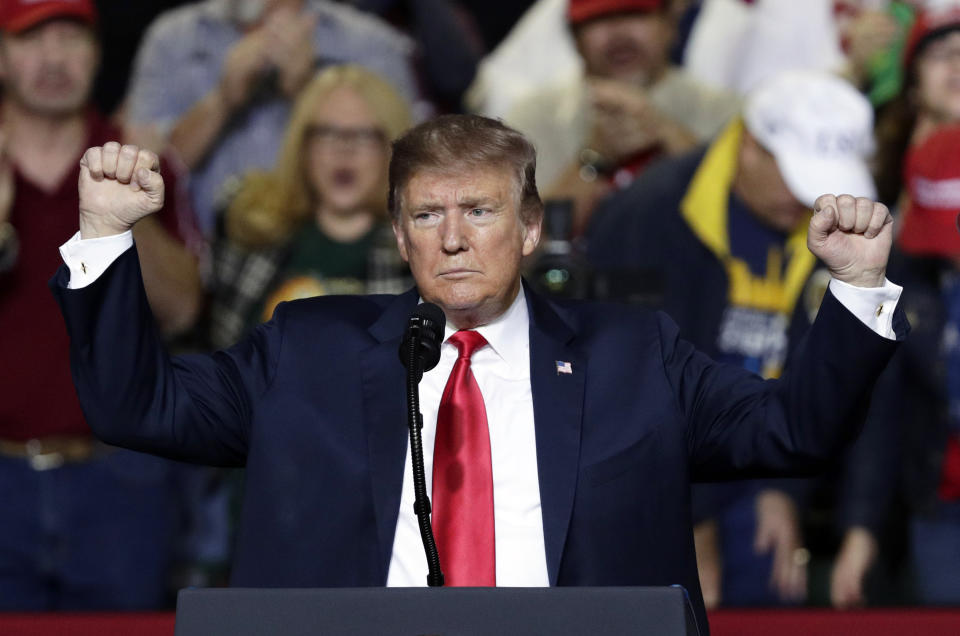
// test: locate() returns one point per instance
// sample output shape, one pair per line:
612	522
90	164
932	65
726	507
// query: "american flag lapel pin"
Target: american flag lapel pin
564	367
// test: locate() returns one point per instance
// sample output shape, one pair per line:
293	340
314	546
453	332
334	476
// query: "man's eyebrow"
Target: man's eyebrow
426	206
465	202
473	202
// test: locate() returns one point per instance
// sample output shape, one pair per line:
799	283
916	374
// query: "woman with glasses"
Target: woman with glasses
317	224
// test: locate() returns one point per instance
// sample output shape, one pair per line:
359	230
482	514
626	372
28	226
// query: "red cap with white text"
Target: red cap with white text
17	16
582	10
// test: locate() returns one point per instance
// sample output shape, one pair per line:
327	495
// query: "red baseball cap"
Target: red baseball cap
932	175
17	16
929	24
582	10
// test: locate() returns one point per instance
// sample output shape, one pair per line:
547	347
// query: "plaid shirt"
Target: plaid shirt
242	278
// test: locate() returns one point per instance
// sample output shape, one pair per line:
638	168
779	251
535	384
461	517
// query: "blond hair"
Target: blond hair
269	206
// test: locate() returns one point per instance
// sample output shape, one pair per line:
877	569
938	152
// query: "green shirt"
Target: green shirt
317	265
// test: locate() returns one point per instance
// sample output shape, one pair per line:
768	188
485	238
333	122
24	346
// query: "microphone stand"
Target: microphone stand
421	505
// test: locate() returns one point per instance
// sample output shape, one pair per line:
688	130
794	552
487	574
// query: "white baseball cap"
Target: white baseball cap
820	130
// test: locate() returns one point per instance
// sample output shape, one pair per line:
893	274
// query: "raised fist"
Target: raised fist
119	185
852	236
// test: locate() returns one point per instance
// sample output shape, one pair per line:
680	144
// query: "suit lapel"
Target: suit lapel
557	410
557	414
384	401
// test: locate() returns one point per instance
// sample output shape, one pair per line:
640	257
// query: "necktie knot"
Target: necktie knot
467	342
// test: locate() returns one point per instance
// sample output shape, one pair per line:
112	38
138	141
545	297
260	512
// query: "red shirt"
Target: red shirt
37	397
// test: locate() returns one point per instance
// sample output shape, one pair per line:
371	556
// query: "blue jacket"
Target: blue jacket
313	405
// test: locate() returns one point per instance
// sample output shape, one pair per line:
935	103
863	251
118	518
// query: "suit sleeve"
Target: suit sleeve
872	466
739	425
195	408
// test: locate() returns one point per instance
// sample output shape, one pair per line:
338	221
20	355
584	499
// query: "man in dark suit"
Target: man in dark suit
584	423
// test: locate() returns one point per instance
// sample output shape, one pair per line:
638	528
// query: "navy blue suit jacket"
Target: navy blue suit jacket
313	405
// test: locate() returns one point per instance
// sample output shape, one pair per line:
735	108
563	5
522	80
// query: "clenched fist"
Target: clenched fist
119	185
852	236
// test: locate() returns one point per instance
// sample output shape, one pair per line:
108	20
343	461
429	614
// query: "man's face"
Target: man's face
630	47
938	78
463	238
760	185
49	69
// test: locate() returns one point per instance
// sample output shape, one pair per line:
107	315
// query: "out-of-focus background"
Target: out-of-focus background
681	147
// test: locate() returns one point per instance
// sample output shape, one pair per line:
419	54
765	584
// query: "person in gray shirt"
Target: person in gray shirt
215	79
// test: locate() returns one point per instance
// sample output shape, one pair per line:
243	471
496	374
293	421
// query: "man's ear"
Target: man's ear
401	240
531	234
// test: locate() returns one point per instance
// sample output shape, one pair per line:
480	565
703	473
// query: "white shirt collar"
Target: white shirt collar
508	335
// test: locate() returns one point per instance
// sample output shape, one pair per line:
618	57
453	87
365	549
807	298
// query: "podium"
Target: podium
557	611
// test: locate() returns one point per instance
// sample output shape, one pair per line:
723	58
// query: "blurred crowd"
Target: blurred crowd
681	146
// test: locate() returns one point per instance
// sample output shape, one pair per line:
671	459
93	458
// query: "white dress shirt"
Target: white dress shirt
502	371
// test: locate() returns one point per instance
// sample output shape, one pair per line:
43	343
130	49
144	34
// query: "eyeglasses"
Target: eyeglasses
365	138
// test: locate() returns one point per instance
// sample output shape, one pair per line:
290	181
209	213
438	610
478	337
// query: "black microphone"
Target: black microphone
419	352
425	324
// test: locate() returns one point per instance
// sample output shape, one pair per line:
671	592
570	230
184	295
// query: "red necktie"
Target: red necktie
463	476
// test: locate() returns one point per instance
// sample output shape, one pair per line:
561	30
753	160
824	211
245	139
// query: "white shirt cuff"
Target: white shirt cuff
89	258
873	306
